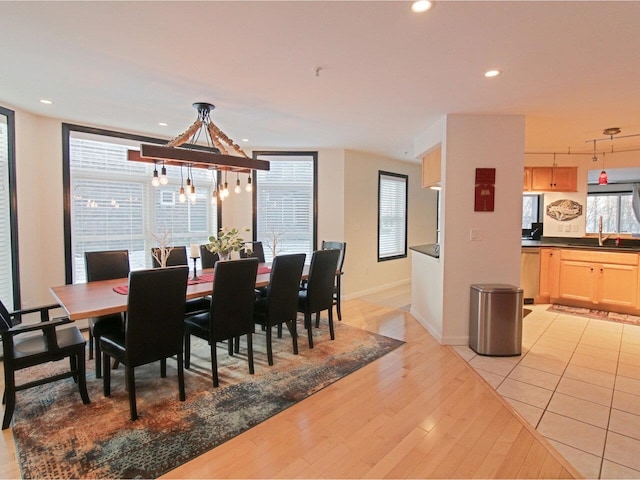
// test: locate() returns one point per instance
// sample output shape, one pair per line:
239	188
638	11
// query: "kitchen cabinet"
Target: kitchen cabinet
604	280
526	180
549	274
432	168
554	179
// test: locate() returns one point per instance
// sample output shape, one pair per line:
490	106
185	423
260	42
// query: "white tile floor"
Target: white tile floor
578	383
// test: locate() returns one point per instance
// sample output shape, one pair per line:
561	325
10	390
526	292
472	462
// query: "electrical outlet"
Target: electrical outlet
476	235
567	228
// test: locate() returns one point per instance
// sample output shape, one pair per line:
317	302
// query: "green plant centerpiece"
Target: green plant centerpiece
227	241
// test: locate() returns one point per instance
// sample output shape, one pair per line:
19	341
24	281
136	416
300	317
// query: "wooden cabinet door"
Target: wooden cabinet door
549	273
617	285
565	179
541	178
577	281
432	168
526	179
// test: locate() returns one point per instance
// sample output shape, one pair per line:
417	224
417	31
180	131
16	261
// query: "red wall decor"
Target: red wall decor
485	189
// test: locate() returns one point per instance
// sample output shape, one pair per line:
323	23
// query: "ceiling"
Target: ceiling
366	75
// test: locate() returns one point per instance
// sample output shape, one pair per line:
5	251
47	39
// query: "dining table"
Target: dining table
106	297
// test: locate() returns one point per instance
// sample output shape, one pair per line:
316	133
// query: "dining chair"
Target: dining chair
255	250
208	258
318	294
337	290
50	344
154	328
104	265
231	312
280	304
178	257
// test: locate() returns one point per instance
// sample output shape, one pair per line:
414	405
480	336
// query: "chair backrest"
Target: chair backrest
5	318
106	265
284	284
177	256
257	251
322	274
342	246
233	296
154	327
208	258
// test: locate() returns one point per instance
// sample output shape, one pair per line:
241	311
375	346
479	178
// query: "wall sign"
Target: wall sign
485	189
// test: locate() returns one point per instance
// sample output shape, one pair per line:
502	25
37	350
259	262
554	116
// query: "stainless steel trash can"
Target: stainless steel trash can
495	320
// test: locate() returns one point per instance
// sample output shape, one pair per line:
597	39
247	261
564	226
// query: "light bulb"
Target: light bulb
182	197
163	176
249	186
237	189
156	181
193	199
213	197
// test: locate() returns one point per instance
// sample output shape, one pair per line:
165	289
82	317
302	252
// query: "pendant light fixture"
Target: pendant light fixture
182	197
155	181
249	187
163	175
238	189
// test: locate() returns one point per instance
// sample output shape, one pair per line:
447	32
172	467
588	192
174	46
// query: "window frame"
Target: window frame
617	194
13	205
381	174
254	176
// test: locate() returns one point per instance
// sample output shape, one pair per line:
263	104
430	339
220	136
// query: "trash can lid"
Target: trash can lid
495	287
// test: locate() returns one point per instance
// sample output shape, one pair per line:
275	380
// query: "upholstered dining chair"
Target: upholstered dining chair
154	328
337	290
318	294
104	265
49	344
231	312
280	304
208	258
178	257
255	249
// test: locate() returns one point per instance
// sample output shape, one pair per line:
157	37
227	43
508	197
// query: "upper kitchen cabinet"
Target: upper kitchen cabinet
551	179
431	168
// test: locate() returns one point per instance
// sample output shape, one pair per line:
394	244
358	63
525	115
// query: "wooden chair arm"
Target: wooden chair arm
51	324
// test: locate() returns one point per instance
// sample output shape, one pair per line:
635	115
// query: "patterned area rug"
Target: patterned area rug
59	437
596	314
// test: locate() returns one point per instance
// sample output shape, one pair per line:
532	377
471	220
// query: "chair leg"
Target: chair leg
214	363
237	344
82	376
293	330
106	378
90	344
331	332
163	368
99	359
338	295
187	350
9	397
307	324
279	330
317	319
183	395
230	347
131	381
269	347
250	352
73	367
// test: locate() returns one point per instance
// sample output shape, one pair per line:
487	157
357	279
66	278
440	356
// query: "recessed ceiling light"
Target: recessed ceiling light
421	6
492	73
46	102
162	124
245	139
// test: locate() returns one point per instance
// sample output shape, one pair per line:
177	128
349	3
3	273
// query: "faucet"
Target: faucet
601	239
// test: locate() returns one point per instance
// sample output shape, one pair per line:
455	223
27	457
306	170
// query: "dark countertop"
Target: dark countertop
431	249
627	245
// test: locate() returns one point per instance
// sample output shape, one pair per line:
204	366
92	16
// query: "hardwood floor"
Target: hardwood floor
418	412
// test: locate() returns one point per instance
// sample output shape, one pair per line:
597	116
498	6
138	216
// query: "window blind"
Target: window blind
392	215
285	205
114	206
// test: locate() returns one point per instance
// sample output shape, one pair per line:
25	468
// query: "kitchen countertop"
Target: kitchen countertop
628	245
431	249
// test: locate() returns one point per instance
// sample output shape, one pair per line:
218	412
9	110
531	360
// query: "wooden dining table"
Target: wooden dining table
94	299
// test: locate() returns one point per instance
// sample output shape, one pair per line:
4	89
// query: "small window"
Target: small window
615	209
392	215
530	210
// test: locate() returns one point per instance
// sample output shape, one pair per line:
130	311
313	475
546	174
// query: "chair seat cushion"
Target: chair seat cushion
260	311
196	305
106	324
113	344
198	325
302	299
35	345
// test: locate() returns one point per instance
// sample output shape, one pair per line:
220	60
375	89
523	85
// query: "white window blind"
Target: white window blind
114	206
285	200
392	216
6	270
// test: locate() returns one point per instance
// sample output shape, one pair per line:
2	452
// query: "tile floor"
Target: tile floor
578	383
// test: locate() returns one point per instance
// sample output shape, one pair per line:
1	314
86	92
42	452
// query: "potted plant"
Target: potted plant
228	240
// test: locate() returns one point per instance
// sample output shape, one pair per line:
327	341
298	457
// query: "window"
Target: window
9	277
392	215
112	204
615	210
285	214
530	210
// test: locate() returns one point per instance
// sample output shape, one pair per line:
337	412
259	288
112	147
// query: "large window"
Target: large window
285	214
615	210
9	278
111	204
530	210
392	215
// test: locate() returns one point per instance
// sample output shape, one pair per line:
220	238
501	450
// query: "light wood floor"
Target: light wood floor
418	412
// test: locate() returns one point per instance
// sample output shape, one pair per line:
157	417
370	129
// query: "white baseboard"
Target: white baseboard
364	293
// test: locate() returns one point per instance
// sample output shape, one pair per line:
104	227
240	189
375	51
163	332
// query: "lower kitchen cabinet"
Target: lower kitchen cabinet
549	274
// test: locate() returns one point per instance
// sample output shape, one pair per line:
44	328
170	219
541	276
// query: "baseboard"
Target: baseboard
427	326
364	293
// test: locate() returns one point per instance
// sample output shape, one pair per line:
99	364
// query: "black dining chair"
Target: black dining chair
104	265
207	258
231	312
253	249
318	294
28	345
337	290
280	304
154	328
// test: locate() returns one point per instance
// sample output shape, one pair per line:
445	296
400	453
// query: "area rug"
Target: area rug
58	437
596	314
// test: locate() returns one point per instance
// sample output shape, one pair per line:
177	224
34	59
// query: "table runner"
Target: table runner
203	278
